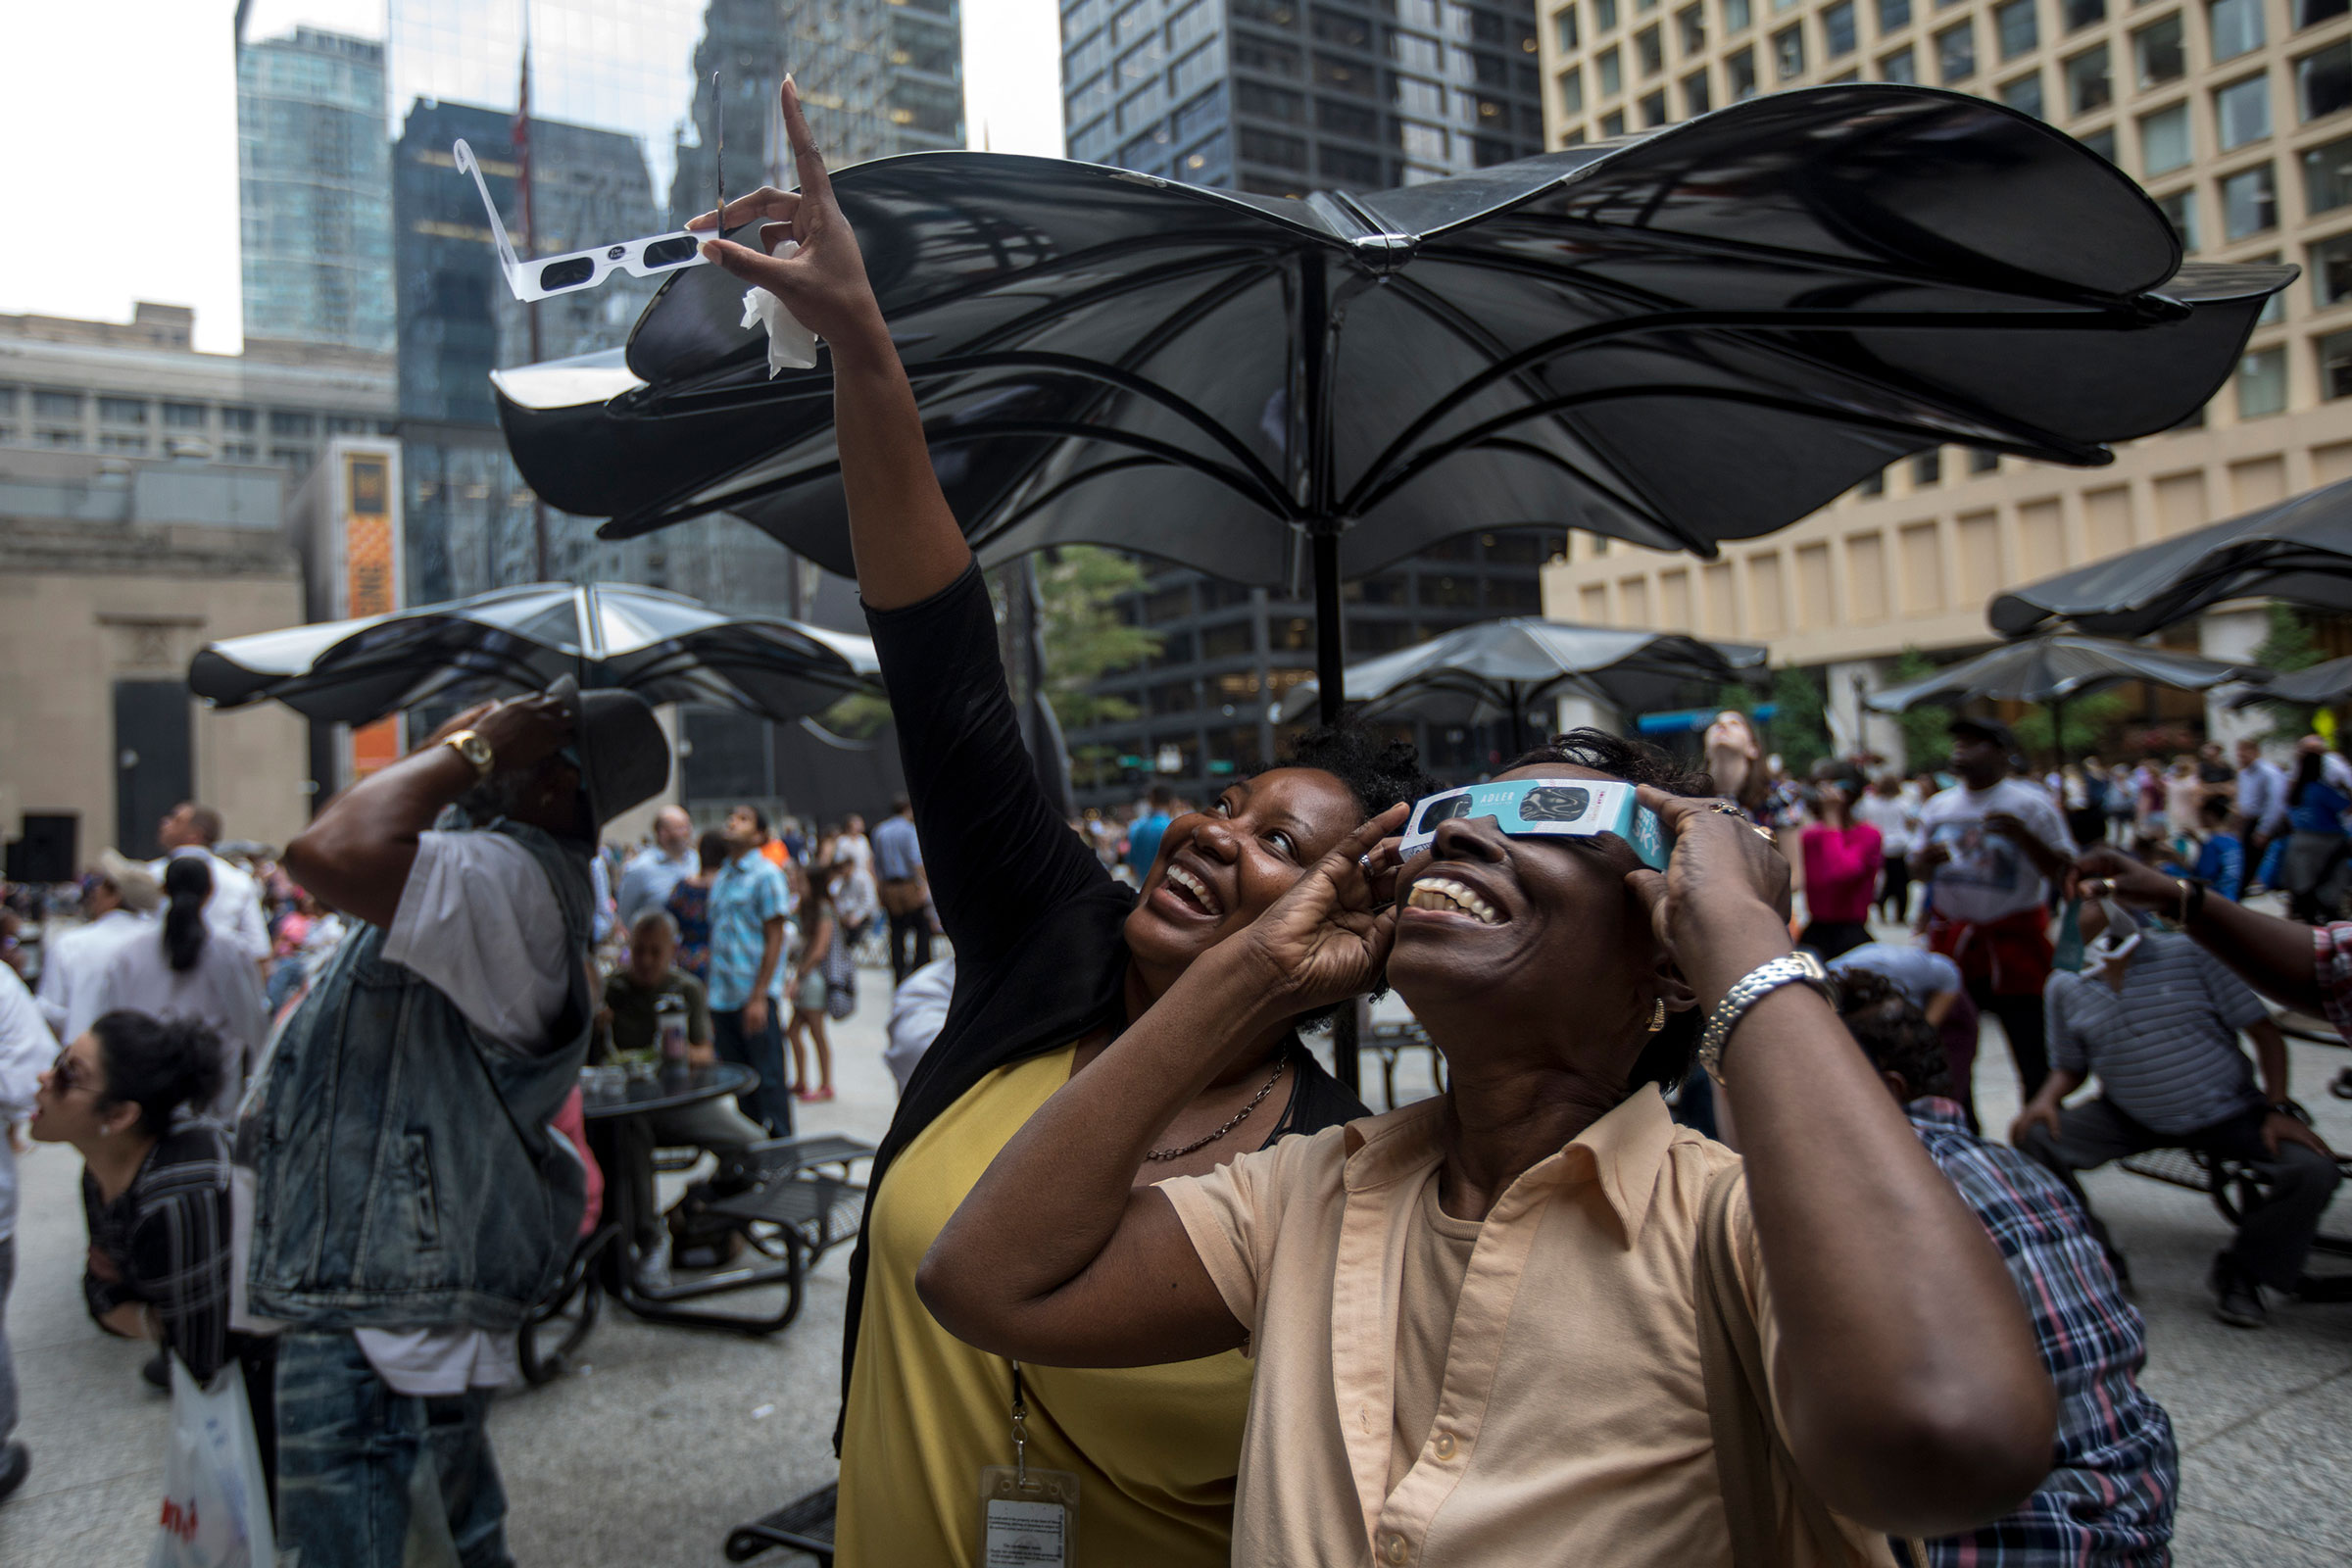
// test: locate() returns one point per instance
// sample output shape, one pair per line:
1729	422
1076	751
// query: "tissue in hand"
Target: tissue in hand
790	345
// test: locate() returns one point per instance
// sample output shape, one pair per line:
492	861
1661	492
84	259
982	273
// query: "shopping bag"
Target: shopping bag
215	1508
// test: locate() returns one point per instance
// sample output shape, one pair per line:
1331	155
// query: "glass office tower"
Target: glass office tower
313	184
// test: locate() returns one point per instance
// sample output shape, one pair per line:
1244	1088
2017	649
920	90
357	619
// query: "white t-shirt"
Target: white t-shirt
477	921
75	965
1891	817
26	1047
1988	877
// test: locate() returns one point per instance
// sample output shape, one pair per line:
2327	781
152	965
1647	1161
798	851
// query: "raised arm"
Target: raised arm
996	855
1104	1275
1907	1372
2272	956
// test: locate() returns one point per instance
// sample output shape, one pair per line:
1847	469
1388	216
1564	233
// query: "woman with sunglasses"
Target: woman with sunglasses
1053	961
154	1192
1483	1323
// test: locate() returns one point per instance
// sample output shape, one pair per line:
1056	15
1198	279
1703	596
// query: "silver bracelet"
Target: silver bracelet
1751	988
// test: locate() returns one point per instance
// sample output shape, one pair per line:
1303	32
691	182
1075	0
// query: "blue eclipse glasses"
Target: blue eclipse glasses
1547	808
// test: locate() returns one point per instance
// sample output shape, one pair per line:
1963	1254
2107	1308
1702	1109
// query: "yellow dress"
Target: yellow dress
1156	1447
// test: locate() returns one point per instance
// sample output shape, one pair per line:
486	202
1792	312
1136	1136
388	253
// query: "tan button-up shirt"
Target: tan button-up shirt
1571	1424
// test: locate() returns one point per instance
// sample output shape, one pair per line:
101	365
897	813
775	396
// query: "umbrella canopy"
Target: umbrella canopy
2320	686
1510	666
1698	334
2300	550
2053	669
664	647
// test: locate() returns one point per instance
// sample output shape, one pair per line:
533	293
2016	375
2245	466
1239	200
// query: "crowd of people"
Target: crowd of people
1700	1253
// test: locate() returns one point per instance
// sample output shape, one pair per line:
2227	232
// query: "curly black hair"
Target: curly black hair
1666	1060
1893	1033
1378	771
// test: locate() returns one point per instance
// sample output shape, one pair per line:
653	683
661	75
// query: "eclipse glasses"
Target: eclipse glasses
1546	808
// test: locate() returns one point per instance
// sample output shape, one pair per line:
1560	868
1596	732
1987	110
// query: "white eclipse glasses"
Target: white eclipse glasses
569	274
1546	808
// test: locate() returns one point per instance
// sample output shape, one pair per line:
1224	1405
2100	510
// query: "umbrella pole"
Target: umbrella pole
1331	690
2058	735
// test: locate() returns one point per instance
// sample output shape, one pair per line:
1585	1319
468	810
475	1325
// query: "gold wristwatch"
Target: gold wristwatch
475	750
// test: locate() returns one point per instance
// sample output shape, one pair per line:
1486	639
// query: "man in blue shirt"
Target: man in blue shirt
906	896
1142	839
751	931
653	871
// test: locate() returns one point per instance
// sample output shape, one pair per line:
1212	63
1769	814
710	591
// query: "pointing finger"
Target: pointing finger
806	159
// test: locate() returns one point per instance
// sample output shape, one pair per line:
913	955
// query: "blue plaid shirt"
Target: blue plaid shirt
745	895
2113	1478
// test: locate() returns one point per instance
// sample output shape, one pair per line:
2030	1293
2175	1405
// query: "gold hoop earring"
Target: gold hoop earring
1658	1015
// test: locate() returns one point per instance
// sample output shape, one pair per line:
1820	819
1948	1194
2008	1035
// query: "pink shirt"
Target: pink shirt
1842	869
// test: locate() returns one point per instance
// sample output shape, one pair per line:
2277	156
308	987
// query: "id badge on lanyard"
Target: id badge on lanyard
1028	1518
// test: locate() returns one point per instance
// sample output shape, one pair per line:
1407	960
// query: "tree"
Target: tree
1927	738
1800	724
1086	638
2289	647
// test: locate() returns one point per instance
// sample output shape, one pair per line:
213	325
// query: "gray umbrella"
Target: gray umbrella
1512	666
2053	669
1698	335
2319	686
2299	549
666	647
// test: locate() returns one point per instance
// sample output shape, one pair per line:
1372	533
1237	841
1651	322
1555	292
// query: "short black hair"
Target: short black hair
712	850
1666	1060
2214	809
1162	795
1893	1033
158	1065
1378	770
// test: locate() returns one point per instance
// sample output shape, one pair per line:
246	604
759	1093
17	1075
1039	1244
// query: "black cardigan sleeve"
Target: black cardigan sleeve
997	857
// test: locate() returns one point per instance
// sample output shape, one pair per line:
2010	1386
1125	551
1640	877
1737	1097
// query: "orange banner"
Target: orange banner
367	586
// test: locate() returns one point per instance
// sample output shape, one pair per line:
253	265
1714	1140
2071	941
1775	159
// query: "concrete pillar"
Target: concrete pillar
2233	635
1587	713
1854	727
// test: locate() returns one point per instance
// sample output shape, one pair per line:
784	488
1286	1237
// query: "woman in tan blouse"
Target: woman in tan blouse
1477	1320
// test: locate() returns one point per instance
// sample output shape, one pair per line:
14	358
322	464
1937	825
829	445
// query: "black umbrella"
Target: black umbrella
2299	549
2319	686
2051	670
1510	666
664	647
1698	334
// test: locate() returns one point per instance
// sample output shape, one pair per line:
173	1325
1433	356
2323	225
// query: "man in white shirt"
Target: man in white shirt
234	910
25	1047
121	899
410	1202
654	872
1991	845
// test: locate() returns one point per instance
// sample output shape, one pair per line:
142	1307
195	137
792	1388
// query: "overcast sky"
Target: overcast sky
122	113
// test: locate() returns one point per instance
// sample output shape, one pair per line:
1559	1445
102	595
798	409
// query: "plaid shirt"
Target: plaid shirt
2331	966
745	895
2115	1476
166	1238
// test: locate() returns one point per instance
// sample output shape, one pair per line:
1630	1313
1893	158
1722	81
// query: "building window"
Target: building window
1739	72
1649	47
109	441
1697	99
1788	52
2179	210
1893	14
2024	94
1737	14
2017	26
61	438
185	415
1572	91
1691	23
1898	66
2324	81
1604	14
1927	468
237	452
1612	123
2081	14
2164	140
2088	83
56	405
2242	111
1981	461
1956	53
2262	384
1563	30
1653	110
2274	309
2156	50
122	410
1838	28
1875	485
2311	13
2235	26
2335	365
2330	270
1612	72
2249	203
2327	177
2100	141
285	422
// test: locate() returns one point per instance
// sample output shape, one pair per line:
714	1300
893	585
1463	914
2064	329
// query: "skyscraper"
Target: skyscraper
314	182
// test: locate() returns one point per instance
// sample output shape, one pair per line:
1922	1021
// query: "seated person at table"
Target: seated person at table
1478	1321
2108	1499
2157	1019
633	997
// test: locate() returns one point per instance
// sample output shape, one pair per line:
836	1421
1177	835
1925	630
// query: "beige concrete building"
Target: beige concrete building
2236	115
113	572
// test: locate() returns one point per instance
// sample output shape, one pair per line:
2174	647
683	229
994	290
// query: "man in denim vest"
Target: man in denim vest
409	1201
